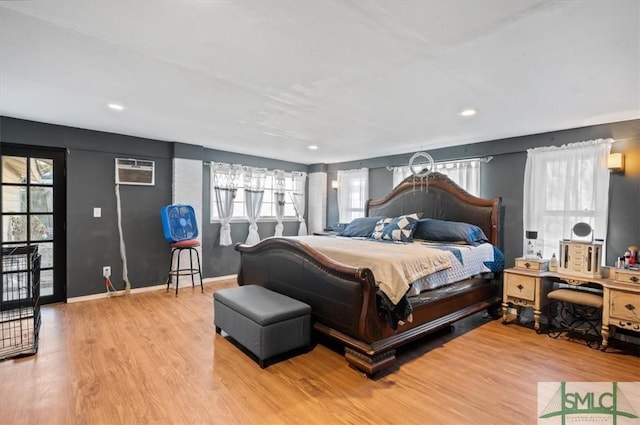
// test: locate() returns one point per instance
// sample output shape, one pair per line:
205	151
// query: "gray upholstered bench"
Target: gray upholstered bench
262	321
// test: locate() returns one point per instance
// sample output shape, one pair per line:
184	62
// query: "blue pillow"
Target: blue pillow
360	227
400	228
449	231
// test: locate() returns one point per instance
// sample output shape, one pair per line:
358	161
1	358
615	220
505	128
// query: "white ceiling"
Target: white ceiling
358	79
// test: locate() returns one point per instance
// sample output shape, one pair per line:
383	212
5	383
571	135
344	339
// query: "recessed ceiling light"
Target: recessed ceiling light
115	107
468	112
313	147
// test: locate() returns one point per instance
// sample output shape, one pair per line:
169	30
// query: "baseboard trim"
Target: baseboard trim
206	281
218	278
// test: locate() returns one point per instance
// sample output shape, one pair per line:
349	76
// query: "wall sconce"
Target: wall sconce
615	162
334	184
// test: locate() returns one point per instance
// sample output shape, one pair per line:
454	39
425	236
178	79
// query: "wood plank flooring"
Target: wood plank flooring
151	358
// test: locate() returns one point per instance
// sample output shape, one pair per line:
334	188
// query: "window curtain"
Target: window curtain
399	174
298	197
564	186
253	194
278	194
353	192
465	173
225	183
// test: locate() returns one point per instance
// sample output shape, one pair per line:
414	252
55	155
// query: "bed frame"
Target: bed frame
343	298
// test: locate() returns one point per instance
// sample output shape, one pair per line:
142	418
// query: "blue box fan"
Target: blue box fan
179	222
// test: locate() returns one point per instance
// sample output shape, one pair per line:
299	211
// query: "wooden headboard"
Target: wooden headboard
439	197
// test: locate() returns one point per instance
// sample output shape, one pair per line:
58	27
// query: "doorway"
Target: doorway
33	211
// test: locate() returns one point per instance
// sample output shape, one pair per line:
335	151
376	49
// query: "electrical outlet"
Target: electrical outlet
106	271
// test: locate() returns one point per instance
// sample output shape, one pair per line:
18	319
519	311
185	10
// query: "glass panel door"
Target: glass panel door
33	211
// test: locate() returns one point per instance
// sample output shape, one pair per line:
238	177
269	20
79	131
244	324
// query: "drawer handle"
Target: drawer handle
527	265
520	287
630	307
634	279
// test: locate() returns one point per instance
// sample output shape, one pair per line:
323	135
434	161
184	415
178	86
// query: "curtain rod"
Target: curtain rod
481	159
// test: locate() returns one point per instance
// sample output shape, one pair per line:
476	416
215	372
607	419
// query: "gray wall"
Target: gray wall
93	242
504	176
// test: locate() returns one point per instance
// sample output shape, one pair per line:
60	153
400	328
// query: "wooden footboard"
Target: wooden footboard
343	299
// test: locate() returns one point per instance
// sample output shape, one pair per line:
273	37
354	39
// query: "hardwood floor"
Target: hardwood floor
154	358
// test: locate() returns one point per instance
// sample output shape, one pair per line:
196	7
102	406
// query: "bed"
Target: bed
346	301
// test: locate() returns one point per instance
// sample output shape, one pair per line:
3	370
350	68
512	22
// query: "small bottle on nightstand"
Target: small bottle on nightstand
553	263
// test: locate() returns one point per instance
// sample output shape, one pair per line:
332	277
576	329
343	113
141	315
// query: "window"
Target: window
268	209
353	192
465	173
268	202
564	186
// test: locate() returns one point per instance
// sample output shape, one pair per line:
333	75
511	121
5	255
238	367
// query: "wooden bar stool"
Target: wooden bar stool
176	249
573	311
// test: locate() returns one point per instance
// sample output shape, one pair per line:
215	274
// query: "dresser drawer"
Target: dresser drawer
625	306
538	265
627	276
518	286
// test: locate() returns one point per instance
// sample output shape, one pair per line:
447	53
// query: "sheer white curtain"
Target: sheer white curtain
353	192
253	193
225	183
298	197
399	174
564	186
465	173
278	194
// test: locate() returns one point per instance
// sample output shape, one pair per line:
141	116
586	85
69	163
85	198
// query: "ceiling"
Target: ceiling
357	79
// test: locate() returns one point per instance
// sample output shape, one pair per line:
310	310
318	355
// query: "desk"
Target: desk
621	298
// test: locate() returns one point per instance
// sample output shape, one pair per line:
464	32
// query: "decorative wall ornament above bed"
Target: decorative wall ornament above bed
421	165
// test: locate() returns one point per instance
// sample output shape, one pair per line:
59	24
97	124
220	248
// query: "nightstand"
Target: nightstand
326	233
525	288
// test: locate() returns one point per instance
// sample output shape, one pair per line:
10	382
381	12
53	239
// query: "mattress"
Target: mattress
466	261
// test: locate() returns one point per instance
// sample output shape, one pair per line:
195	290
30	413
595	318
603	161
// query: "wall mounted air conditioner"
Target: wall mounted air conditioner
135	171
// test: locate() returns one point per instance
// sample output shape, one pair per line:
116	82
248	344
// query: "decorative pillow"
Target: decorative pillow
377	231
449	231
400	228
360	227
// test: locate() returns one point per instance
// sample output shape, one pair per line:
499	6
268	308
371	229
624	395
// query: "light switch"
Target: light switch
97	212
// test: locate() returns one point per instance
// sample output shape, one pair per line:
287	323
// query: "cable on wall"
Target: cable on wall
123	251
